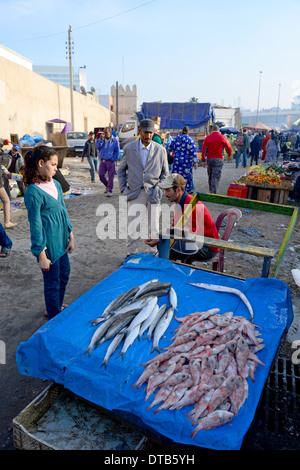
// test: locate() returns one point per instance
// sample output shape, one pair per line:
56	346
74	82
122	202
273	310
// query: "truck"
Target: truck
172	117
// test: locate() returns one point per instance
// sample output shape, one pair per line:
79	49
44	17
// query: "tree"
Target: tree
193	100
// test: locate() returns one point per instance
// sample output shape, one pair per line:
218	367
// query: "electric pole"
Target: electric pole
71	77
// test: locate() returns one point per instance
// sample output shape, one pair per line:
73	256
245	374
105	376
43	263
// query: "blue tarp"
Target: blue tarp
178	115
54	352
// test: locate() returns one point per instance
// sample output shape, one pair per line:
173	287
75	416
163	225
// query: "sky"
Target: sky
228	52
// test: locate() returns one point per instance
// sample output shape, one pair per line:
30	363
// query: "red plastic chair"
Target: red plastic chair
233	215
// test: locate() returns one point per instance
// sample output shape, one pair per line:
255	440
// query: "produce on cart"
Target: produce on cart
55	351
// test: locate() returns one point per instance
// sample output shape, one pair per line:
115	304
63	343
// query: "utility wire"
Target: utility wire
86	25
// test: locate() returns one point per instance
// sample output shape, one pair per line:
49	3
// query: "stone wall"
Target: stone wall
28	101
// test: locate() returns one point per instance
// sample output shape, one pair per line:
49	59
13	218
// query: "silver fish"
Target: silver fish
130	338
229	290
148	321
161	327
138	305
156	293
153	286
112	347
144	314
155	320
116	303
120	323
99	333
173	298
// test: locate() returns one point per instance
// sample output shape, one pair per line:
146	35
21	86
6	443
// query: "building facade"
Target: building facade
29	101
61	75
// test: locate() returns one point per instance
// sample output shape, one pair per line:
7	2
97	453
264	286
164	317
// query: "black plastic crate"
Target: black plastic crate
277	421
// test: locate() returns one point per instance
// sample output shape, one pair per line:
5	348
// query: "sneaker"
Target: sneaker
108	194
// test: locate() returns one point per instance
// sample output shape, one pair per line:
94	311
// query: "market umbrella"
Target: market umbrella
257	126
229	130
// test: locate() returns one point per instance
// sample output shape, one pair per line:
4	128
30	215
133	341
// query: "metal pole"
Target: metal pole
278	101
71	77
258	95
117	103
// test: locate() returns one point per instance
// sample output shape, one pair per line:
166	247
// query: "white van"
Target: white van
128	130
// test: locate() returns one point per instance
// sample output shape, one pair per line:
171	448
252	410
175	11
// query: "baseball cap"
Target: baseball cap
147	125
175	179
16	146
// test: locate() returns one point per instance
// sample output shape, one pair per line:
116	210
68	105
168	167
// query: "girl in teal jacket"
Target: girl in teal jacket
50	226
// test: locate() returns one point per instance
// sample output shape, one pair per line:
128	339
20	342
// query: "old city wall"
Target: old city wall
28	101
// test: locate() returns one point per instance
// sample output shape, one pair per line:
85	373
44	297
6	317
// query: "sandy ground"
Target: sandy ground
21	288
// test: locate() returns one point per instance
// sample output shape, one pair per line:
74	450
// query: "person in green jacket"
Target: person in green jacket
50	227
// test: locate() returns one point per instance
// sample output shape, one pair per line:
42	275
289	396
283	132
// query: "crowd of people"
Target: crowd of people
150	167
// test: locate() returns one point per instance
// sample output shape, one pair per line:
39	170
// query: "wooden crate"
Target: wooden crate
277	194
59	420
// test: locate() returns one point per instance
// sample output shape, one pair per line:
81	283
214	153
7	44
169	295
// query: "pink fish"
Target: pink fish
200	407
184	338
148	372
177	378
213	420
207	371
205	338
232	367
238	397
184	347
158	378
174	396
216	381
161	395
190	397
195	370
252	365
202	326
221	393
224	358
223	339
220	320
241	354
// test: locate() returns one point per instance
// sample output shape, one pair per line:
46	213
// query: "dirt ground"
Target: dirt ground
21	288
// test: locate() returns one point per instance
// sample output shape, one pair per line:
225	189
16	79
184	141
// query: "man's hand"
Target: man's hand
152	242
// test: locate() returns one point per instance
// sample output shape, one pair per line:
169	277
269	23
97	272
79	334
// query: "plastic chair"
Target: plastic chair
233	215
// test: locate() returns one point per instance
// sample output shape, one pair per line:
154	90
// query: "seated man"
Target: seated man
200	223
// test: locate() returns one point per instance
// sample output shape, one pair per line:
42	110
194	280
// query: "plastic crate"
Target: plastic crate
235	192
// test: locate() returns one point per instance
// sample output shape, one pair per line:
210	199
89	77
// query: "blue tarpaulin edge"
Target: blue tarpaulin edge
178	115
55	351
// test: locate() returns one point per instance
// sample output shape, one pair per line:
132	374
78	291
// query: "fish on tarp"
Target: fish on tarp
116	303
112	347
143	314
161	328
130	338
229	290
157	315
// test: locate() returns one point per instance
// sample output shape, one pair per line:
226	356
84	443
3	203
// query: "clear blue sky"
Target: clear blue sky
172	50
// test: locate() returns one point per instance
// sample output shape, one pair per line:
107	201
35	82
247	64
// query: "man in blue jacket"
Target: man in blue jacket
109	151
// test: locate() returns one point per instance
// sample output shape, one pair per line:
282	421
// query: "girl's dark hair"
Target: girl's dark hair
32	157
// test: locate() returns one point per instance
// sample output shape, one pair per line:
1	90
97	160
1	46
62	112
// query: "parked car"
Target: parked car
76	142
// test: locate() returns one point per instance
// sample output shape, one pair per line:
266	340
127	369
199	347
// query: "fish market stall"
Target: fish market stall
119	376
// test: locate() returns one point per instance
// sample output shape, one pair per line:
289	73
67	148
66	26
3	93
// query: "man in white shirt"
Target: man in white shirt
143	165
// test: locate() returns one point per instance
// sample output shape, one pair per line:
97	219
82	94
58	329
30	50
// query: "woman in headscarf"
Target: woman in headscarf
272	150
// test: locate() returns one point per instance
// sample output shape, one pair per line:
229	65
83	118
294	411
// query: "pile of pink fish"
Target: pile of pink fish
207	366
